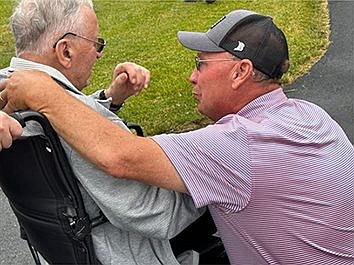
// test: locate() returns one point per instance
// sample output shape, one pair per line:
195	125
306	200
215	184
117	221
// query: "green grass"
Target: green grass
145	32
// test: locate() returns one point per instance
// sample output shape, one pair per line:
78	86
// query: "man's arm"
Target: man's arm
114	150
10	129
130	205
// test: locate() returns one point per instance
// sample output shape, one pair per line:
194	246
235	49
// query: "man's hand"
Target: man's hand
128	79
25	89
10	130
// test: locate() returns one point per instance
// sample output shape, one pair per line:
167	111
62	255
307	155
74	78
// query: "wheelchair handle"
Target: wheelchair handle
28	115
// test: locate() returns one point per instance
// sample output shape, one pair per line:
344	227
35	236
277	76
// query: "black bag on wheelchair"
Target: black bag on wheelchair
43	193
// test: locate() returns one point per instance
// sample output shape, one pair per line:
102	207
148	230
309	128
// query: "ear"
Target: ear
242	72
64	53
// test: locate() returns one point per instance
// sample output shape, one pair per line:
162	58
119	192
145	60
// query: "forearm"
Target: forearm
84	129
111	148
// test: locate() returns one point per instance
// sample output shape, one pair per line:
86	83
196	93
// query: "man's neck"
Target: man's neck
42	59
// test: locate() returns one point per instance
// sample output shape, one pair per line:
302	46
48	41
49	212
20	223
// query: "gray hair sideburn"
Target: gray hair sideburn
37	24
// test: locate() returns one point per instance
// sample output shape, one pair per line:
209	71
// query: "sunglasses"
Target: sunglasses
99	44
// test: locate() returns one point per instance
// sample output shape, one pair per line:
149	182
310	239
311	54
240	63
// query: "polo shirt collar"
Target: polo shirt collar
263	103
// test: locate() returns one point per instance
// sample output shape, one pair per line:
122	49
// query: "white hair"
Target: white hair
37	24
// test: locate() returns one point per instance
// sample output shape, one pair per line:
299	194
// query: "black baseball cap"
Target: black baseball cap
246	35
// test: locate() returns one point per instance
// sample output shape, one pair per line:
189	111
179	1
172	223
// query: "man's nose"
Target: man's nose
194	76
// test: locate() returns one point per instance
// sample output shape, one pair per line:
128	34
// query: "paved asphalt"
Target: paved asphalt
330	84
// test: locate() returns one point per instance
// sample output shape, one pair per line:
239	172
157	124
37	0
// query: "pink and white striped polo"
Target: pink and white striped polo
278	178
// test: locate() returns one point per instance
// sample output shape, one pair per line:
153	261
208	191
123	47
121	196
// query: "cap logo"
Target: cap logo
240	47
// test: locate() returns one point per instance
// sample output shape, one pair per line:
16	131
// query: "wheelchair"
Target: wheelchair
43	193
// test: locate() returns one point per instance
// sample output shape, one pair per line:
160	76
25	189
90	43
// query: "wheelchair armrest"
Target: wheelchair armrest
135	127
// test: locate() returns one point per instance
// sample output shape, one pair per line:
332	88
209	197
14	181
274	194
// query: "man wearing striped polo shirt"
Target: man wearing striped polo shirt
276	173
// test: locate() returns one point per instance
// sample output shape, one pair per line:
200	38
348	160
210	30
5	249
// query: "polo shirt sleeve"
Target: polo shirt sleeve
214	163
